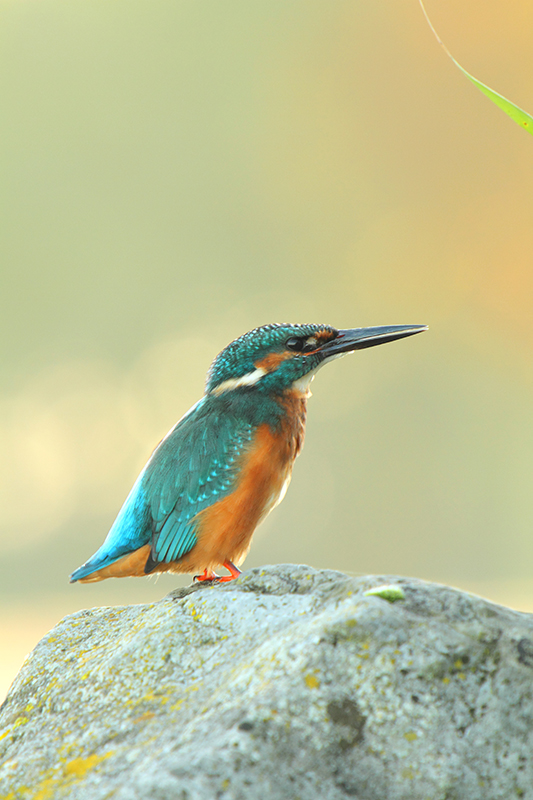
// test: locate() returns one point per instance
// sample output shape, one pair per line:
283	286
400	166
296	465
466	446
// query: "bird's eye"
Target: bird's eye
301	345
295	344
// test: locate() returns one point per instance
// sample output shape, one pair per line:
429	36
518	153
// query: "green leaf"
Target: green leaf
520	116
515	112
390	592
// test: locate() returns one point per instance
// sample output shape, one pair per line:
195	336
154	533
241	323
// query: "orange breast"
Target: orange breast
225	529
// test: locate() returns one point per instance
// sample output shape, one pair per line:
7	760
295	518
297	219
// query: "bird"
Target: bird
228	461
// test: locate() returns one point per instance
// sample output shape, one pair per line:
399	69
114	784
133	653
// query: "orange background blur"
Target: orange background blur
176	173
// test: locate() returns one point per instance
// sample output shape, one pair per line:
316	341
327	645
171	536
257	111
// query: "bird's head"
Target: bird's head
274	358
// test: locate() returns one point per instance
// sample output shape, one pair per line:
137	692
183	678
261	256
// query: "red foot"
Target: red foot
235	572
207	575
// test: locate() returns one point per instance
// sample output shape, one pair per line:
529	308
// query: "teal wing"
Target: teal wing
194	466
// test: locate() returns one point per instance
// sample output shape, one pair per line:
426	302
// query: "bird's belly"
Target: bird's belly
225	529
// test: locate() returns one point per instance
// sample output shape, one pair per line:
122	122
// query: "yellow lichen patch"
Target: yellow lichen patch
46	789
446	680
312	681
78	767
58	780
144	717
408	773
410	736
458	664
20	721
150	696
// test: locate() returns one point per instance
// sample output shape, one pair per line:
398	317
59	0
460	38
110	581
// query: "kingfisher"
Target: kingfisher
228	461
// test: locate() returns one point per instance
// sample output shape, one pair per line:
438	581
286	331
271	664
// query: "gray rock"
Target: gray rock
288	683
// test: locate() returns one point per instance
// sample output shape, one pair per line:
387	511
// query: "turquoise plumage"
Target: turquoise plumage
227	462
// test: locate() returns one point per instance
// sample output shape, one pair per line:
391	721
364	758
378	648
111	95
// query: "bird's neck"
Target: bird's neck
276	409
294	404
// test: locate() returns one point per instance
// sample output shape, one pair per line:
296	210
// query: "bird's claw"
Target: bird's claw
208	576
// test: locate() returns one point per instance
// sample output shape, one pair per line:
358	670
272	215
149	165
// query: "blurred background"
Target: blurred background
175	173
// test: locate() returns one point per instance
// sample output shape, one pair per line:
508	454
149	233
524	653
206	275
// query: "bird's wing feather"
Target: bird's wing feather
194	467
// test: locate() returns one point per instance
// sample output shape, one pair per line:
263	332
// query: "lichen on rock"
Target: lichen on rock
287	683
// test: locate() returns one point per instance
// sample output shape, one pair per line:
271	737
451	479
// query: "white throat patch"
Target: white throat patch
302	384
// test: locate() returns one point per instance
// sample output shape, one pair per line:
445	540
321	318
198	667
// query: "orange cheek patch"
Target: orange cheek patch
272	361
323	336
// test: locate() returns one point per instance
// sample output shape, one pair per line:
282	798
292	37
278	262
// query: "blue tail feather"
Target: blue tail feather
93	565
129	531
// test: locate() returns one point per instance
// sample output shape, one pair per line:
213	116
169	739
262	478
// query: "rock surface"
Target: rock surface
288	683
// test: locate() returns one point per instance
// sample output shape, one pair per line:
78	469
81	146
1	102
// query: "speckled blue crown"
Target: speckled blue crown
239	357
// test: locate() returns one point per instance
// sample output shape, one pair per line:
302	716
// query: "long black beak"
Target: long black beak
359	338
